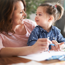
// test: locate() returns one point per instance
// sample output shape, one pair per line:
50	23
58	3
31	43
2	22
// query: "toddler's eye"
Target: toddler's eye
36	14
39	14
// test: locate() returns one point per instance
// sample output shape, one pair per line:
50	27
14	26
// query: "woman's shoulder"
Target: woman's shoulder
29	22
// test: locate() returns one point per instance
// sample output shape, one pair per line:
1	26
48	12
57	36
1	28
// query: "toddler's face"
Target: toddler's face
42	17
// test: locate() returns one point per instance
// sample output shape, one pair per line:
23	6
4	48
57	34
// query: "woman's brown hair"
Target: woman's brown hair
6	12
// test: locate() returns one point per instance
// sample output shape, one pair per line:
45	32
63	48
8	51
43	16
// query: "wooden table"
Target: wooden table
16	60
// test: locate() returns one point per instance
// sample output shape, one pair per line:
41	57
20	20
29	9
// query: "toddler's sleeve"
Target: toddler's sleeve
32	38
60	37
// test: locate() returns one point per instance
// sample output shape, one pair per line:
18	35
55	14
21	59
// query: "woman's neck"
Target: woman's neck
19	29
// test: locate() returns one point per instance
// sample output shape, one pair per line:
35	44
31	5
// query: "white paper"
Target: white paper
42	56
29	63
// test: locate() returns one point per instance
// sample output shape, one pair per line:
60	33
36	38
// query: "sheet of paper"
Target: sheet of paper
29	63
43	56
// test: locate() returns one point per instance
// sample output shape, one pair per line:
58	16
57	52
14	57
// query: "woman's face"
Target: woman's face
18	14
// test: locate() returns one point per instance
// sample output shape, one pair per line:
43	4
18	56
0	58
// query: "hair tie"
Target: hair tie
56	6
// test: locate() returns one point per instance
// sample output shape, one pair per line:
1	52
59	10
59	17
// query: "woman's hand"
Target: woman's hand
42	44
58	46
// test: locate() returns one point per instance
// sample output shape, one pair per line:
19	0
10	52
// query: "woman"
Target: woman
15	30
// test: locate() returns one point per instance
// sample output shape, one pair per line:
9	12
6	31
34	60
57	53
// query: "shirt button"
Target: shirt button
53	38
48	37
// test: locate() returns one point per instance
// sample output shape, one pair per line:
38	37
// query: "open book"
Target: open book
43	56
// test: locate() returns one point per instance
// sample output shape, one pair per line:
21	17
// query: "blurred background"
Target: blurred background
32	5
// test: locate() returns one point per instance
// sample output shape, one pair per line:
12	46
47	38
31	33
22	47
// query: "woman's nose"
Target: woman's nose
24	14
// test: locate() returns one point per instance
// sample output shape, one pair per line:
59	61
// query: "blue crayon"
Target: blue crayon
53	44
62	58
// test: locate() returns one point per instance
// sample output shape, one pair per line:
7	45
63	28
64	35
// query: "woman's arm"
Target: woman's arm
39	46
15	51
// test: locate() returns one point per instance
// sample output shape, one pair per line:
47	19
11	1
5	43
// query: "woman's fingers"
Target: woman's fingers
53	48
45	43
56	43
44	40
42	44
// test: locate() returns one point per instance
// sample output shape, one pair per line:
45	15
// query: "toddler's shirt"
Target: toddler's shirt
39	32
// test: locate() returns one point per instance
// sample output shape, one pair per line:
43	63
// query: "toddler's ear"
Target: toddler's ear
51	18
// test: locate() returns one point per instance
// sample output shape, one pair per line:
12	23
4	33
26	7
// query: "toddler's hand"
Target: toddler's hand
57	46
61	46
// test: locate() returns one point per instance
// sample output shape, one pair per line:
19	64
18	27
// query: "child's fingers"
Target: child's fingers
61	43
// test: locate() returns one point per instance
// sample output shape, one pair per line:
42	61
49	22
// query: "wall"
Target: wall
61	24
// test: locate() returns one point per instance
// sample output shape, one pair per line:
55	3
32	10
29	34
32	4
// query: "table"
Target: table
16	60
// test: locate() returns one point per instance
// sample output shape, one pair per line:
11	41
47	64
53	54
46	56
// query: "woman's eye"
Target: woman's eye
36	14
21	12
